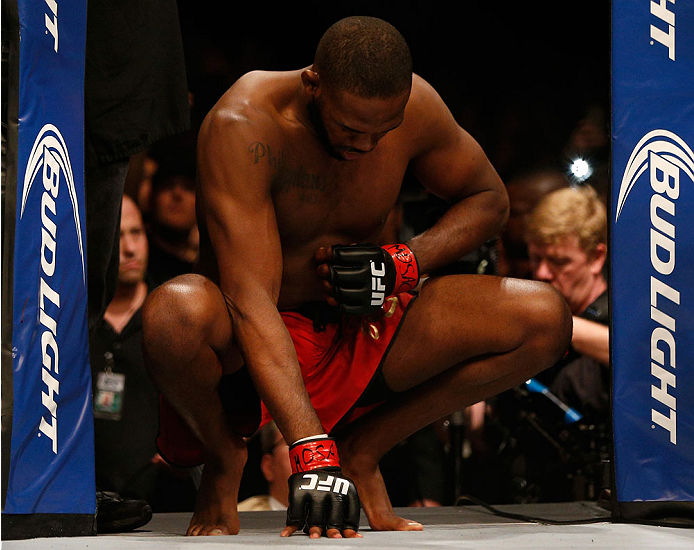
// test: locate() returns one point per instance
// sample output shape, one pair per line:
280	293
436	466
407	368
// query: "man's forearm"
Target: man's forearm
591	339
271	361
465	227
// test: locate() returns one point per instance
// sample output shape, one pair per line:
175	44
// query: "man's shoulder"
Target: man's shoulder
429	123
253	103
256	93
423	93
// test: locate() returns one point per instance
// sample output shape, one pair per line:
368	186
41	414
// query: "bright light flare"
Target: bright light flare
581	170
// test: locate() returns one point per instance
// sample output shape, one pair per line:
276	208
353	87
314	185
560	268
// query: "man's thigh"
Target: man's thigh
459	318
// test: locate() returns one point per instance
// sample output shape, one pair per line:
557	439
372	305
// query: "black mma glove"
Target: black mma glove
364	275
319	495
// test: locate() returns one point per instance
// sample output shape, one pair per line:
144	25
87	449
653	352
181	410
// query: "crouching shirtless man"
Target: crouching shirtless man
294	169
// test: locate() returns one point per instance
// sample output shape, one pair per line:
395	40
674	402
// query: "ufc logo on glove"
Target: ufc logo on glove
378	288
364	275
337	484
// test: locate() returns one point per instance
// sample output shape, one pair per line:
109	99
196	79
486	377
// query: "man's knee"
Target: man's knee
179	315
550	320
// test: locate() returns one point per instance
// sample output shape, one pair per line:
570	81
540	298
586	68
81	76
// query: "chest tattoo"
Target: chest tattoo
309	186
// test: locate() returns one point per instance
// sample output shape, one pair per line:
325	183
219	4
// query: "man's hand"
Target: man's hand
321	499
360	277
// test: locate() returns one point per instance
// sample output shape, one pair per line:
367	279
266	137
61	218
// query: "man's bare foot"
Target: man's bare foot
373	494
216	503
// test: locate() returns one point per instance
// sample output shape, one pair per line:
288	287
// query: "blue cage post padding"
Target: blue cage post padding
52	452
652	257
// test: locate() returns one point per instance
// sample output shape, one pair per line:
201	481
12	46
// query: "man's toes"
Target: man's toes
333	533
288	531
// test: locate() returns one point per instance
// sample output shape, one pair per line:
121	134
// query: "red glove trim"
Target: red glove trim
406	267
317	453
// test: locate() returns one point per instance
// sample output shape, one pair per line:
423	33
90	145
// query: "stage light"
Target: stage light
580	169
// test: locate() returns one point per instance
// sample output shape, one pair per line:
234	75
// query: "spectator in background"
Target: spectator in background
125	400
276	469
172	231
524	192
567	244
138	183
590	136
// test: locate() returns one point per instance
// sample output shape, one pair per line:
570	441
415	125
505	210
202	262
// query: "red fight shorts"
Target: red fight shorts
338	361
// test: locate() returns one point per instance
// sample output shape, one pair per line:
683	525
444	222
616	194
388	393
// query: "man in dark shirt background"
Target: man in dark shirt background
567	245
126	403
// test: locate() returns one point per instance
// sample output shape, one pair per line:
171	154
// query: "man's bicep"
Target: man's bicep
456	167
449	162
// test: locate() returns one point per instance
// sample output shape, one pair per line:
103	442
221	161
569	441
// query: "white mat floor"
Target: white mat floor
450	527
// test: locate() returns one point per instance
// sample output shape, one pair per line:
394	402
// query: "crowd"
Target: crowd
517	446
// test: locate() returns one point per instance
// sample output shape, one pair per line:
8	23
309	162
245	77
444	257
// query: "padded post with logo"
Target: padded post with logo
51	488
652	257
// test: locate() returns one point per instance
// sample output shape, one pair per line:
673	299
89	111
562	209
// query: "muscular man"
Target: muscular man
290	165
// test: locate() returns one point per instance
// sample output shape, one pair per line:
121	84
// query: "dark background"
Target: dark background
519	76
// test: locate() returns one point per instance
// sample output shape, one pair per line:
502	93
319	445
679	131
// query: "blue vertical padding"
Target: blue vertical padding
652	249
52	455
